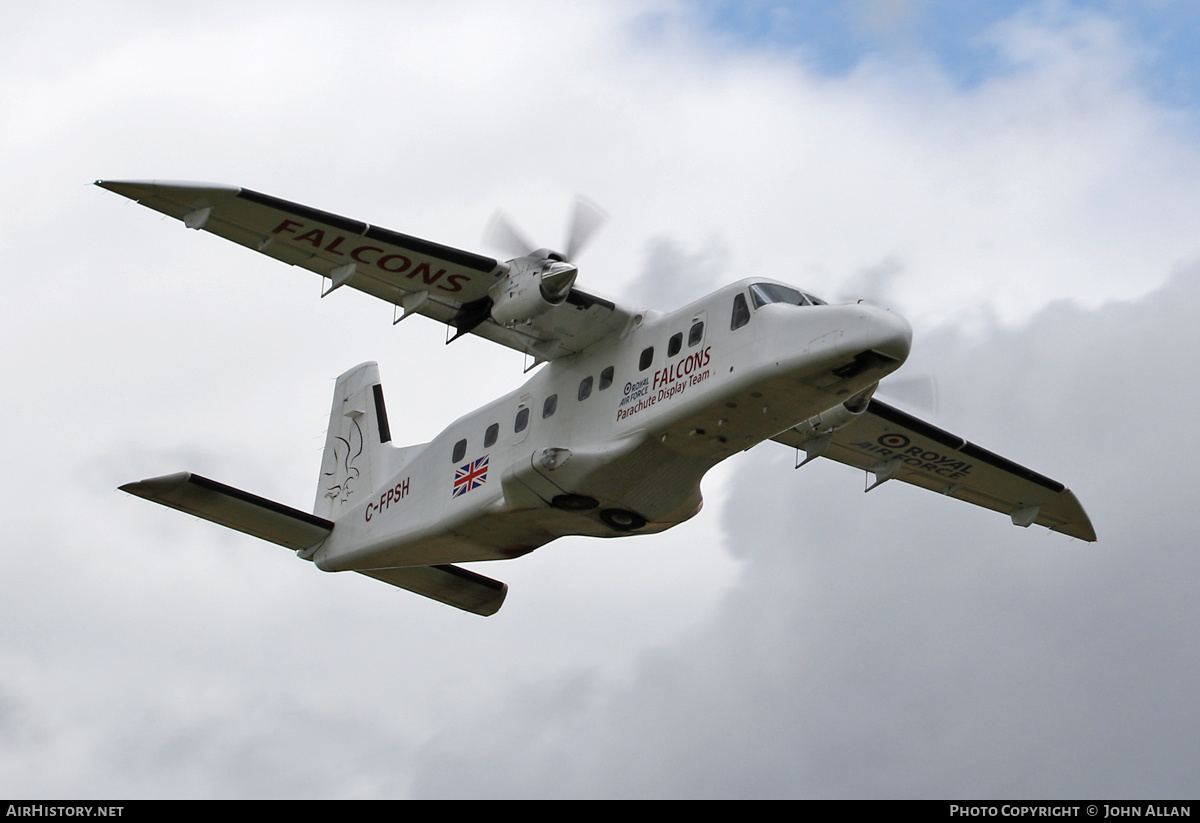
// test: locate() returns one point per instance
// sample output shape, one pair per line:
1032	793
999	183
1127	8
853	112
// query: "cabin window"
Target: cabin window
460	451
647	359
606	378
550	406
696	333
489	437
585	387
741	312
522	420
675	344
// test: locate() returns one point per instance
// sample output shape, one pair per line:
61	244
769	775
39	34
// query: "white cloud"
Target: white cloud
139	643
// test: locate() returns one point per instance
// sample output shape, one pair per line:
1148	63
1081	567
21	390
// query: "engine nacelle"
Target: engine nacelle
818	431
534	286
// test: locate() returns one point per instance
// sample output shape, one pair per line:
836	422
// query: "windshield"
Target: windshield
764	293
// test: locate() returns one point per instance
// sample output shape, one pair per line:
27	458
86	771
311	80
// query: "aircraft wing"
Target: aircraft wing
444	283
894	445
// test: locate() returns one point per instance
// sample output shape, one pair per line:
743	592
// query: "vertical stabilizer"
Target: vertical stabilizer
358	434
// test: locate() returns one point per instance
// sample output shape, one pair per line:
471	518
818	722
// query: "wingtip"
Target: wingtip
1079	531
143	188
151	487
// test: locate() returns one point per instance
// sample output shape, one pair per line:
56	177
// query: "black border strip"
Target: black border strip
337	221
470	576
385	431
415	244
261	502
1013	468
456	256
945	438
894	415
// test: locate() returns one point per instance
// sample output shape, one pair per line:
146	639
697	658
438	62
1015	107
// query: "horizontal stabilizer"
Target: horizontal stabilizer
451	585
234	508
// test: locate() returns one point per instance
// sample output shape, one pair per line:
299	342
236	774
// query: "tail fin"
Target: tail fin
353	462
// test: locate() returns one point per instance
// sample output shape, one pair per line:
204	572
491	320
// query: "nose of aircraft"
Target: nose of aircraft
889	332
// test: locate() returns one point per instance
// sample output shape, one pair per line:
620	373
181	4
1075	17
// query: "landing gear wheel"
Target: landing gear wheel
622	520
574	502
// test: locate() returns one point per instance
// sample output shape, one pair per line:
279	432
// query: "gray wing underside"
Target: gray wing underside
894	445
443	283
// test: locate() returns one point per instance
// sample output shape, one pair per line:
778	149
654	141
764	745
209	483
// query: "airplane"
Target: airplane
610	438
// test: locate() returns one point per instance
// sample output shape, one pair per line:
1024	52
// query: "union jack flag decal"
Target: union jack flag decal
470	476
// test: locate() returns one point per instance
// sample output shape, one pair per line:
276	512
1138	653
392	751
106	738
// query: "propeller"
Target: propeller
919	391
502	234
586	219
512	301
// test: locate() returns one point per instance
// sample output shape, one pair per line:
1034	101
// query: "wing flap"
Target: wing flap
235	509
892	444
447	584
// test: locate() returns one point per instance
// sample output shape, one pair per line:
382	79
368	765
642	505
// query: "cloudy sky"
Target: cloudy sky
1019	179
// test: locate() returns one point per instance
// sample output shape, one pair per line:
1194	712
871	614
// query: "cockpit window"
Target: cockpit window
764	293
741	312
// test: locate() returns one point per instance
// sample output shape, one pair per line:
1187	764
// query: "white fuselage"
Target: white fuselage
615	440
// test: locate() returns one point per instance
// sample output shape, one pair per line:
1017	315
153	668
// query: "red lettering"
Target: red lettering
357	253
423	270
452	282
680	370
332	247
316	237
286	225
386	499
404	263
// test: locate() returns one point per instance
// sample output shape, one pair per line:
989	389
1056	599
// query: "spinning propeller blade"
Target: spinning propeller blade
919	391
502	234
586	219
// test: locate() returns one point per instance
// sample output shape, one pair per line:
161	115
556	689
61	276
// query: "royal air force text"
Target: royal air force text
947	466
